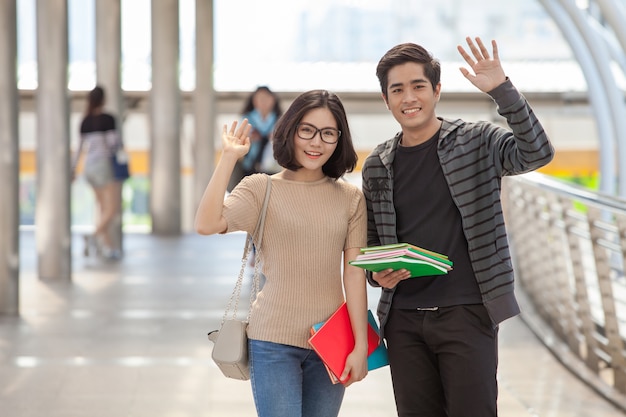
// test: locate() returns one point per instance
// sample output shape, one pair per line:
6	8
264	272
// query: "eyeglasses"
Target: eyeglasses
307	131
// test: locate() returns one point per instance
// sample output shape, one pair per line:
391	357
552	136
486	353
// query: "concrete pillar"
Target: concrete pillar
9	161
204	110
52	212
108	75
165	120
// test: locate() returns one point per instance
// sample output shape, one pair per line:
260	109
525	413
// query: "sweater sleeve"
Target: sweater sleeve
242	207
357	227
526	147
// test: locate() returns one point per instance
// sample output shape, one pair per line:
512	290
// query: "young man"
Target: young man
436	185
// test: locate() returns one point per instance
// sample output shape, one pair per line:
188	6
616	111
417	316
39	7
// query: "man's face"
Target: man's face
411	97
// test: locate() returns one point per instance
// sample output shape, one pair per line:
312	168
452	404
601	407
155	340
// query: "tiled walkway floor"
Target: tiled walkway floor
128	340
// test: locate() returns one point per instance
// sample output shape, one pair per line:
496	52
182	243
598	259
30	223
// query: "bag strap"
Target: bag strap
233	302
260	225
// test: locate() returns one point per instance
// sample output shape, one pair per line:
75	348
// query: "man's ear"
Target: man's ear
438	92
385	100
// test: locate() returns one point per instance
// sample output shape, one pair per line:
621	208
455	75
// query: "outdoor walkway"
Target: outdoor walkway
128	339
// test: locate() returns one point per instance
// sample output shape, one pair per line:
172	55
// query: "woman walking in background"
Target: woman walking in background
99	139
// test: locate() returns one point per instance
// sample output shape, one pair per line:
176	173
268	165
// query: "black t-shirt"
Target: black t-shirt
102	122
427	217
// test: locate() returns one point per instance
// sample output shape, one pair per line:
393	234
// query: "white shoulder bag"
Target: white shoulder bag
230	351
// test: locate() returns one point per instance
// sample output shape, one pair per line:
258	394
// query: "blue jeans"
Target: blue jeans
289	381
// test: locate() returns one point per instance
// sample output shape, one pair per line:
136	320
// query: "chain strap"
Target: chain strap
233	302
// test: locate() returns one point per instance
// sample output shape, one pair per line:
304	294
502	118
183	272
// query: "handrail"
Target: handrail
568	245
574	191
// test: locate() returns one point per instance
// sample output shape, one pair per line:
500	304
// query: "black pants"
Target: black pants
443	362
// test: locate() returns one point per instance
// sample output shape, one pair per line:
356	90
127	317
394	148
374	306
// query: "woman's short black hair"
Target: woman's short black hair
344	158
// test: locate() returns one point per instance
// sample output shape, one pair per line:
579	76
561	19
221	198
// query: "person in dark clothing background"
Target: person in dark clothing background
99	139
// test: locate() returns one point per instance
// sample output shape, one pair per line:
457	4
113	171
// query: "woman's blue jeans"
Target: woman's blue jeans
289	381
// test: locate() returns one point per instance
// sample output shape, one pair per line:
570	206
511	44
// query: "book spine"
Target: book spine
431	255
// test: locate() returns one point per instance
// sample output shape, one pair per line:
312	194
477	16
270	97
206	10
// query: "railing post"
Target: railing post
615	345
581	295
620	377
559	253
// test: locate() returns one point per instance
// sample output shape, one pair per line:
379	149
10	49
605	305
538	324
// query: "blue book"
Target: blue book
378	358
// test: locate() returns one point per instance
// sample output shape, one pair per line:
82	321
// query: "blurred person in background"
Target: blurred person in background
262	109
99	140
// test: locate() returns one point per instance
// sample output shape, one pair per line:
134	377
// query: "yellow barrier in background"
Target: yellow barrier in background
565	163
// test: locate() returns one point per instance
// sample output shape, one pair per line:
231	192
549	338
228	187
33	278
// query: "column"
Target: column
108	75
204	109
9	161
165	119
52	211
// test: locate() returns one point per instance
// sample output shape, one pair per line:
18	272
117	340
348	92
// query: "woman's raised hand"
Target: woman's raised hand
236	139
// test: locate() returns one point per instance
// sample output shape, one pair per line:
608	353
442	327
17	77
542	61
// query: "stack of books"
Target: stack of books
333	341
418	261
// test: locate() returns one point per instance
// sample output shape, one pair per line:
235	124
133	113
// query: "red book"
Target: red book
333	341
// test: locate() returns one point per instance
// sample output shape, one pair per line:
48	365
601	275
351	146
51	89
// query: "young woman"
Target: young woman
99	138
262	110
315	224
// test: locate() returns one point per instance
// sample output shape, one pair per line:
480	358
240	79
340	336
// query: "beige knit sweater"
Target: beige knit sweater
307	227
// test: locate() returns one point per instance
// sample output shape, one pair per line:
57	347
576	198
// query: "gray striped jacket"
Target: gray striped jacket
474	158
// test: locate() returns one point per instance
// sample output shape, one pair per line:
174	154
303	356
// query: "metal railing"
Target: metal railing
569	250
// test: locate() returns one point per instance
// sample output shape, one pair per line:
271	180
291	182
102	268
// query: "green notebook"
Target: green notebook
416	267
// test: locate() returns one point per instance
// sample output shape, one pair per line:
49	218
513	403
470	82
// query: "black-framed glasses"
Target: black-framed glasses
307	131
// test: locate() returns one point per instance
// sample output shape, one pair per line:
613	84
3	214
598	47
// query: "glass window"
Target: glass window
304	44
26	45
136	44
335	44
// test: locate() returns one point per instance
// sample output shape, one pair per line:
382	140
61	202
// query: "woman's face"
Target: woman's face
313	153
263	102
